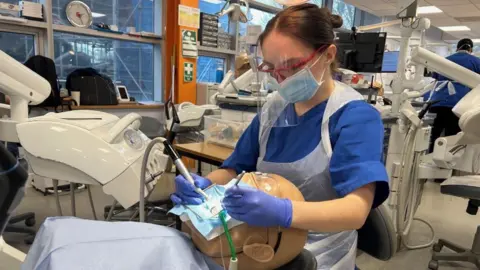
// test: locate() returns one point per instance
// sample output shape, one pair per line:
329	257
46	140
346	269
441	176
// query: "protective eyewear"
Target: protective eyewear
280	74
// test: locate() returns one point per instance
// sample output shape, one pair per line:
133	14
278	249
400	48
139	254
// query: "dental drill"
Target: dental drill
181	167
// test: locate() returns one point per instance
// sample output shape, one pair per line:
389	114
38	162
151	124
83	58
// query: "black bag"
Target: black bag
95	88
45	67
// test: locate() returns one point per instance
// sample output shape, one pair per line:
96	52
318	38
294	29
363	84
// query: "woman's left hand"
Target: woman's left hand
257	208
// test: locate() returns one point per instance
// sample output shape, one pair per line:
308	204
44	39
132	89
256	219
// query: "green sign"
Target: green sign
189	44
188	72
189	36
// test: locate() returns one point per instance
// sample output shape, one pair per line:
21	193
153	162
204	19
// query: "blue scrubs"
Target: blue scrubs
465	60
356	135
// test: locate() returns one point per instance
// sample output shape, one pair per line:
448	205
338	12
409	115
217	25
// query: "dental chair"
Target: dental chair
467	187
27	218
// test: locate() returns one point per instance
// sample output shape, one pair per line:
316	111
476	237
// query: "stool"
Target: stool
467	187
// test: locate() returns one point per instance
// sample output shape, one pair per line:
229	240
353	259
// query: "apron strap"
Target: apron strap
342	95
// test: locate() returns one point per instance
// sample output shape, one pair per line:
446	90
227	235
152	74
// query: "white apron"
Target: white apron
311	175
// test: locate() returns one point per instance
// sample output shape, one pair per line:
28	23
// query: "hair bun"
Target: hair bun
336	21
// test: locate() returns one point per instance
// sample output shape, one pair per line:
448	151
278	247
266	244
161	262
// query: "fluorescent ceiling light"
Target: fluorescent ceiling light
454	28
476	40
428	10
98	15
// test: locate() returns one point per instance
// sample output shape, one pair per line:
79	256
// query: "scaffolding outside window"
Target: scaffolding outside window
345	10
272	3
17	45
123	13
127	63
258	17
207	68
317	2
16	1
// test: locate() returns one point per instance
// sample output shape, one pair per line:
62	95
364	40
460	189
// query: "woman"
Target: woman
317	133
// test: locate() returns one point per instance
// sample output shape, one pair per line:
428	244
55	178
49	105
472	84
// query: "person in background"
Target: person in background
450	93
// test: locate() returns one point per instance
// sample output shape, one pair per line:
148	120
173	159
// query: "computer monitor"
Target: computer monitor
390	62
361	52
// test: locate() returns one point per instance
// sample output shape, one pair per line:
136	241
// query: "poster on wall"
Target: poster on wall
188	72
188	16
189	44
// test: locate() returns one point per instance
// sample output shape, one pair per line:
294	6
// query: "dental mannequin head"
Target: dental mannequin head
257	247
301	37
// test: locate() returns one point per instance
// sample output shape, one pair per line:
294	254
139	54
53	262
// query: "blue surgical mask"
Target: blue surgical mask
302	86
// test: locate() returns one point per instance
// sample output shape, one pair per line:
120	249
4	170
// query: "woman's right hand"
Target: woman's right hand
185	192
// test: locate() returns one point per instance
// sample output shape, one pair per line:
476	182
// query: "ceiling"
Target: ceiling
455	12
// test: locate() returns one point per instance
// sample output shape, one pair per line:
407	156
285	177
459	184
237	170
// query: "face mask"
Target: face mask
302	86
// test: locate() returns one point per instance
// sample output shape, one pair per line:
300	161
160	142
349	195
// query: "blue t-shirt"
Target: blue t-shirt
356	135
465	60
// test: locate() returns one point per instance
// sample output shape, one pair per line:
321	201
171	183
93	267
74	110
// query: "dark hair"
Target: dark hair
465	44
308	23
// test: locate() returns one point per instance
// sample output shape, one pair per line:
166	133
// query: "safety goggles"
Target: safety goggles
282	73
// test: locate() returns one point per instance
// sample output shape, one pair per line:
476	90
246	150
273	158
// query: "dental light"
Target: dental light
235	11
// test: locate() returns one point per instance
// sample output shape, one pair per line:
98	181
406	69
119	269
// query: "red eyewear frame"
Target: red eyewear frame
276	71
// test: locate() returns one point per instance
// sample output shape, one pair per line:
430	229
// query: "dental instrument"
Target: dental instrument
181	167
239	178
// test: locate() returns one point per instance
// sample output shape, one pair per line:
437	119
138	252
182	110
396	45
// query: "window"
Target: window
257	17
135	62
123	13
128	63
345	10
207	68
272	3
17	45
212	7
317	2
369	19
16	1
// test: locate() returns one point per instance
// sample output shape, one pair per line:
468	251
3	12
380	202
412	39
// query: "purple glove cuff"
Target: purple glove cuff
288	208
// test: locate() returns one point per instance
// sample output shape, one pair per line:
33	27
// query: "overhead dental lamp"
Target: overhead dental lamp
235	11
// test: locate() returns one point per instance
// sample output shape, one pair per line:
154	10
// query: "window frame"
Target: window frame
229	55
215	55
43	33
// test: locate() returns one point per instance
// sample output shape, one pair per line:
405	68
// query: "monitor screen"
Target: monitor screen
390	62
123	92
361	52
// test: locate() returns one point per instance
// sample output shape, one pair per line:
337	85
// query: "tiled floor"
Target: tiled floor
445	213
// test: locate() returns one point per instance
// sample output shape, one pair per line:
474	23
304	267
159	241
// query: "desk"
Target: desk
204	152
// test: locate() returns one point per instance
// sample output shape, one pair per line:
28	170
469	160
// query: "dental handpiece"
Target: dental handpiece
181	167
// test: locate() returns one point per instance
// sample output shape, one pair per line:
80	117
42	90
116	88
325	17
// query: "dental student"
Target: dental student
316	132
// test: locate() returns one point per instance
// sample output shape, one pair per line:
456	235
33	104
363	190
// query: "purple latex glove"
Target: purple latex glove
185	192
257	208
